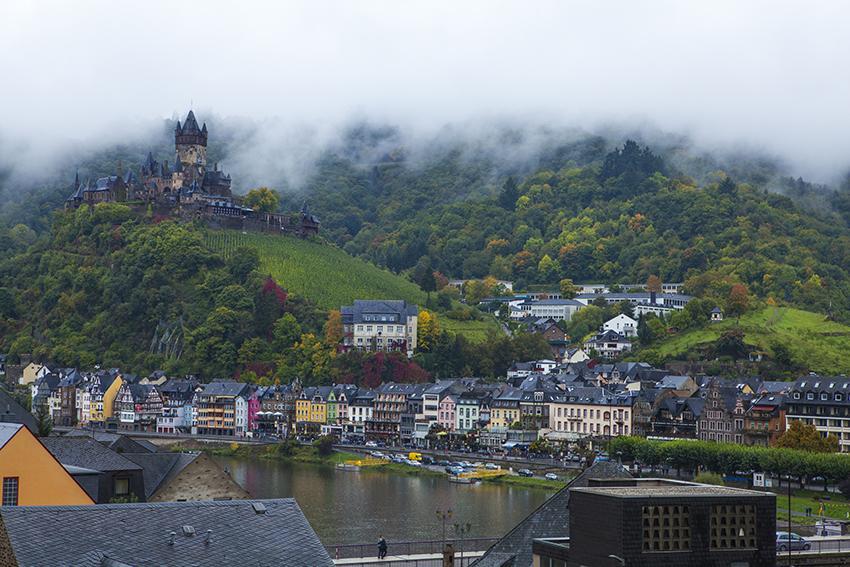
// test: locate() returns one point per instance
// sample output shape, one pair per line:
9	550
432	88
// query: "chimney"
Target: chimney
171	536
208	537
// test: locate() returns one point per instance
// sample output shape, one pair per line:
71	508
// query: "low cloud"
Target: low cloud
768	77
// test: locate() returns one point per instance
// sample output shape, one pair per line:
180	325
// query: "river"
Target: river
356	507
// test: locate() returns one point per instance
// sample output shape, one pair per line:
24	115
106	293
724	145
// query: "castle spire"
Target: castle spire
191	125
77	180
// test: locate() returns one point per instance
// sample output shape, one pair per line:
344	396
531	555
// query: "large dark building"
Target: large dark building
664	523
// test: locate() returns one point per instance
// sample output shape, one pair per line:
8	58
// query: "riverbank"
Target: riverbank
291	452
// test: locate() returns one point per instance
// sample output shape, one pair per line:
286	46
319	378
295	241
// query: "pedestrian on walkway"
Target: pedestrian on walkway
382	548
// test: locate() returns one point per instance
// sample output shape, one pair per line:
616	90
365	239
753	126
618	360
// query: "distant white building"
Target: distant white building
557	309
622	324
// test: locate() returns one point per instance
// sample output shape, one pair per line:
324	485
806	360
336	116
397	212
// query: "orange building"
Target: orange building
30	475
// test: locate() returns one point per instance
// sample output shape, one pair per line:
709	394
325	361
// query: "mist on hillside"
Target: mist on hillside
280	85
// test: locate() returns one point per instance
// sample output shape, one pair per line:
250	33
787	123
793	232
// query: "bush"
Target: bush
709	478
324	445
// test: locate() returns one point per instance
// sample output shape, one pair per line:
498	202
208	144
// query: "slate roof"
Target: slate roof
550	520
399	310
115	441
7	431
673	382
87	453
224	389
159	468
138	534
13	412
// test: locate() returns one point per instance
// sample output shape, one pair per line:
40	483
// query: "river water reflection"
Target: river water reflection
356	507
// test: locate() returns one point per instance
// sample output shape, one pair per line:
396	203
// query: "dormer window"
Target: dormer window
796	395
824	397
810	396
838	397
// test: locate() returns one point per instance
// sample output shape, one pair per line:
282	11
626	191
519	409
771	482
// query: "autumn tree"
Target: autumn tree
653	284
262	199
805	437
333	328
738	301
428	329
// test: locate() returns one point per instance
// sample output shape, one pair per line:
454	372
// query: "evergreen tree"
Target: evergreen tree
509	194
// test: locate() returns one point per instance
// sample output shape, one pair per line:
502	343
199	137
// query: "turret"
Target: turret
191	142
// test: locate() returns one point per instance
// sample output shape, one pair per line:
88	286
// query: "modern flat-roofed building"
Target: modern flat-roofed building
824	402
664	523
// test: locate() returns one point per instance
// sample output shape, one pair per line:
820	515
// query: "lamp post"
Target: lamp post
460	531
444	517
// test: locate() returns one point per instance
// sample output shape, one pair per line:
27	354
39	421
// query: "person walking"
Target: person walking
382	548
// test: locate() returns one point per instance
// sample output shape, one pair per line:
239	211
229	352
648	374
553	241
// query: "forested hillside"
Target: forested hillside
618	217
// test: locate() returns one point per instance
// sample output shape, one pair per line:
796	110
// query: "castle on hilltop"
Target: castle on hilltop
187	189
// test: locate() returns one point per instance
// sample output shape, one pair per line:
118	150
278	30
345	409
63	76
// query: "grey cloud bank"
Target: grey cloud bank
770	76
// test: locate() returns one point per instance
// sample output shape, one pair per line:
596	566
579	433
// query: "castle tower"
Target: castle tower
191	143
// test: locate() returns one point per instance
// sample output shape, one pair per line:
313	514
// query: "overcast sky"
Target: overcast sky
771	75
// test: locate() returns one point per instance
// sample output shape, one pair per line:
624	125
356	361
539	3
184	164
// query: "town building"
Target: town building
608	344
590	412
139	406
722	416
221	409
234	532
380	325
764	420
822	401
621	324
675	301
31	476
555	309
177	411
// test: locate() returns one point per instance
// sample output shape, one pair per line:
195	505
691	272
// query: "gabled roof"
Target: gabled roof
550	520
158	468
13	412
241	532
87	453
225	389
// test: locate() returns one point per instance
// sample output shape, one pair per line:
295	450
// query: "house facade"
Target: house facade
380	325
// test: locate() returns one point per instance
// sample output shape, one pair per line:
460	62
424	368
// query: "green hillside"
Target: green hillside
324	274
820	345
330	277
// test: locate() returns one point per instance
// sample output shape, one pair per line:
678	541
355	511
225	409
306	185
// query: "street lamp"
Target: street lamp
444	516
461	530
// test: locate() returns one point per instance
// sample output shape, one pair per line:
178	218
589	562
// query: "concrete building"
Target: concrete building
822	401
664	523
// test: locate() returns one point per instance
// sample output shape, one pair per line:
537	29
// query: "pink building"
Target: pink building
253	408
446	415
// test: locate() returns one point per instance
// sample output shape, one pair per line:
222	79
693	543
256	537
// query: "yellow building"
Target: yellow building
32	372
103	398
30	475
311	409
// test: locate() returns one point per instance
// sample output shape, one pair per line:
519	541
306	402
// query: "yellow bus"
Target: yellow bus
415	456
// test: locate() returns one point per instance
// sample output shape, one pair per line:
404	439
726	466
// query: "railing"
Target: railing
817	545
410	547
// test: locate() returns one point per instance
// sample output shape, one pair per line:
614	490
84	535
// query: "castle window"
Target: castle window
666	528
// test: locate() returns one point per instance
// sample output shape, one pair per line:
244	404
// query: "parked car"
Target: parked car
426	460
413	463
551	476
454	470
377	454
478	465
443	463
792	541
491	467
524	472
371	444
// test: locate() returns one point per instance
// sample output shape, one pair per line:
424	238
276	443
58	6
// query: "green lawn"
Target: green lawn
836	507
822	346
321	272
475	331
